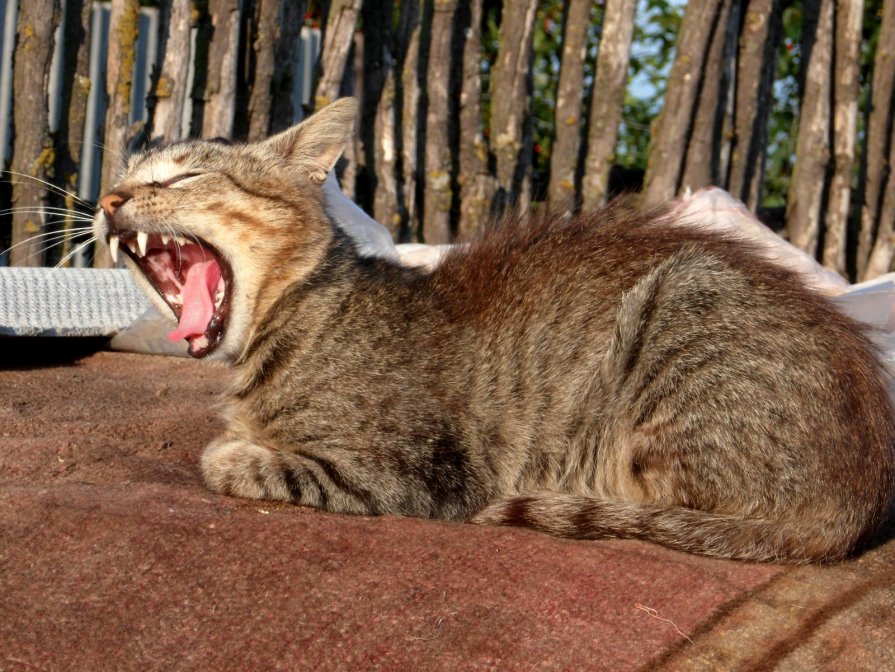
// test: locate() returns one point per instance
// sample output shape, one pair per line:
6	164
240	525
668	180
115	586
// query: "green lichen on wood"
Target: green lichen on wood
27	31
128	29
44	162
164	88
84	84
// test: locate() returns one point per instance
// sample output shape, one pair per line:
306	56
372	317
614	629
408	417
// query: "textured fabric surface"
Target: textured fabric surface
67	301
114	557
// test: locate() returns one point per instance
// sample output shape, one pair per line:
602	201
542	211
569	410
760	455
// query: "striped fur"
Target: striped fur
610	376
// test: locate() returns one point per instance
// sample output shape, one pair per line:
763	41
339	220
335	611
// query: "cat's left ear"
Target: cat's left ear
314	145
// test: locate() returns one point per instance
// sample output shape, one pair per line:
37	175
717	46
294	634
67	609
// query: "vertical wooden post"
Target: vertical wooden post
757	57
286	51
510	105
385	132
169	96
73	103
382	142
123	27
438	193
671	129
340	26
701	167
804	202
608	99
569	106
33	150
267	14
848	20
884	249
410	85
477	185
223	51
879	135
352	84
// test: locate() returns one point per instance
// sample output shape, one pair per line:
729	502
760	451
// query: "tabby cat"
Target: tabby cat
616	375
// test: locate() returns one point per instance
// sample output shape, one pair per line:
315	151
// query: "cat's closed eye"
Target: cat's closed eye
174	180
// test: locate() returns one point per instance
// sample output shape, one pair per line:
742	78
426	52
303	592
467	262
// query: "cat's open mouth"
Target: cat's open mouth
192	278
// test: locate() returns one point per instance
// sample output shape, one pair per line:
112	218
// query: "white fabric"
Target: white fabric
67	301
371	237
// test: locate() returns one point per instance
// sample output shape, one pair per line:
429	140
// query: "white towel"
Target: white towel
68	301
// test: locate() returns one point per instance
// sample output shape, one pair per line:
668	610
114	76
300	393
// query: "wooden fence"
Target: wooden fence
446	126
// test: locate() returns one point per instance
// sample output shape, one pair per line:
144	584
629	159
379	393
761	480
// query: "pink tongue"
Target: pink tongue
198	300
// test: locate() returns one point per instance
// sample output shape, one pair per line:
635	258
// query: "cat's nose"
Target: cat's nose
114	200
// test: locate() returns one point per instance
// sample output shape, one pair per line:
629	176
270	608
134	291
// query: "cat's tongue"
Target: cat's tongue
199	288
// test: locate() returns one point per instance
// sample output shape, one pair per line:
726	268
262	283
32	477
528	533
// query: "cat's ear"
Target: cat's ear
314	145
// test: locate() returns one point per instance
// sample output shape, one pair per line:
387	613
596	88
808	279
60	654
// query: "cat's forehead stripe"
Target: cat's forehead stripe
157	169
168	162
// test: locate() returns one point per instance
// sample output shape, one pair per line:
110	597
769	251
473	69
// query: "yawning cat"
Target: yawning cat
615	375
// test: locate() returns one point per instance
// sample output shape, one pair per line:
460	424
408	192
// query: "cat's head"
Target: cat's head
214	232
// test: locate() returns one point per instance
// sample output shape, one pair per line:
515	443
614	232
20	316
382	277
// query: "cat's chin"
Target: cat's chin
191	277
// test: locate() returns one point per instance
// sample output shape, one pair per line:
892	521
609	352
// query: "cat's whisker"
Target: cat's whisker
46	245
79	229
77	249
71	214
176	244
54	187
44	208
74	229
48	236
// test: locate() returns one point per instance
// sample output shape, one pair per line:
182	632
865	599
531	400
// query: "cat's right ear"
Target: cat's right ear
314	145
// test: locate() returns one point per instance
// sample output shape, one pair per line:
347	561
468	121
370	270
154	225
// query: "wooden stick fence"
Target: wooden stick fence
438	149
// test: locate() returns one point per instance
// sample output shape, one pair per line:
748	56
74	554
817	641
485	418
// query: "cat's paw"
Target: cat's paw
234	466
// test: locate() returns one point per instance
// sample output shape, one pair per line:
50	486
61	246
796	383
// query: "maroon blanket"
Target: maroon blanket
114	556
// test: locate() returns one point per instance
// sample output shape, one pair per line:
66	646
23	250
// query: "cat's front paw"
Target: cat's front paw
235	466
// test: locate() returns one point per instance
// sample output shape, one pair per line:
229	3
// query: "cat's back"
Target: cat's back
525	266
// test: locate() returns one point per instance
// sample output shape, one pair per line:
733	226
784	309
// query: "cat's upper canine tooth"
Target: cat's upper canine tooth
113	247
142	240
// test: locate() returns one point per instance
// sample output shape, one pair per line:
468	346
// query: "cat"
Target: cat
612	375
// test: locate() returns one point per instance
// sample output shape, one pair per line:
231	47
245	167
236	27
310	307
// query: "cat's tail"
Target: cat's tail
689	530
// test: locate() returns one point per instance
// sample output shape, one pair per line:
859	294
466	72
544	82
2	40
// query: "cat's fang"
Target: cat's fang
113	247
142	240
